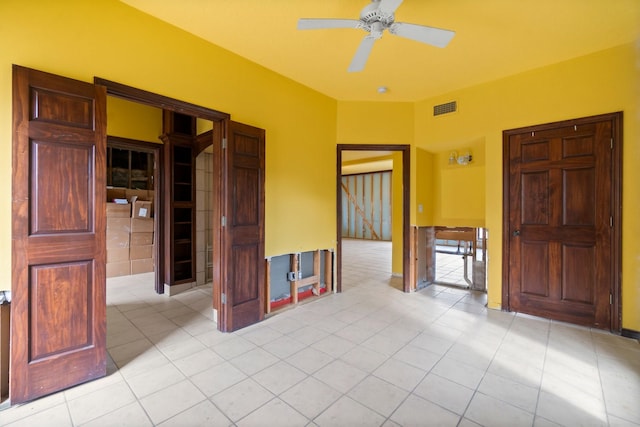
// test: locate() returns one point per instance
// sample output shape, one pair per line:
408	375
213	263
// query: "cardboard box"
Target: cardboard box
141	225
146	195
5	310
116	269
117	254
117	239
141	239
141	196
115	193
141	252
142	266
117	210
119	224
141	209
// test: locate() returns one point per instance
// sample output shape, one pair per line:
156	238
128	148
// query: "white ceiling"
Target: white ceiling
494	39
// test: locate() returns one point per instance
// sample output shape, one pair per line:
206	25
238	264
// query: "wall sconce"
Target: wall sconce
463	159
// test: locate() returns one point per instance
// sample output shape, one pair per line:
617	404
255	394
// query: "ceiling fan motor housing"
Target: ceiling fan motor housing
372	13
375	21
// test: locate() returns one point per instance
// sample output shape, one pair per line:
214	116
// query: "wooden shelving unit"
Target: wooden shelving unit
179	186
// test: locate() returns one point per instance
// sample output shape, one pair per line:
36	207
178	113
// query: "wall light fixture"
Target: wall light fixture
463	159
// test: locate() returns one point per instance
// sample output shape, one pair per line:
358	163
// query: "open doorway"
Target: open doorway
237	210
460	257
133	177
137	179
402	216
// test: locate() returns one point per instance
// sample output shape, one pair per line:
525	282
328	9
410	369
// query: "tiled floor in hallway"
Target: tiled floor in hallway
370	356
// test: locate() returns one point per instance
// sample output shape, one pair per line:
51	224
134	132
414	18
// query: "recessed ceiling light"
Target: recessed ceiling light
382	89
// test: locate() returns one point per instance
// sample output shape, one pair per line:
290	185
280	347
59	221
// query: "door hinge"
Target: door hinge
223	298
223	221
612	143
610	299
224	143
611	222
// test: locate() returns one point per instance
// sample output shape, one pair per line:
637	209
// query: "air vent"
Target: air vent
447	108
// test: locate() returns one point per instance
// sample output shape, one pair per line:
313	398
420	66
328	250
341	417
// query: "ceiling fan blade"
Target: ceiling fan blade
316	24
362	54
389	6
429	35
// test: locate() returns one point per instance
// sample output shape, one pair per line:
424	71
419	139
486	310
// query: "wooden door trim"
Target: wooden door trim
160	101
406	214
616	208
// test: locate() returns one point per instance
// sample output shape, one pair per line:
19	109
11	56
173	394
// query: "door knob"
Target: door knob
516	233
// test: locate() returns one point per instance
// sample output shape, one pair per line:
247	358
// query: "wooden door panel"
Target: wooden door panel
58	335
535	268
243	274
63	205
243	236
578	146
533	151
578	273
535	198
60	294
245	208
66	109
578	204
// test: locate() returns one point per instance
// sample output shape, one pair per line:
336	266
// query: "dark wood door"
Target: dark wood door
58	234
242	301
560	222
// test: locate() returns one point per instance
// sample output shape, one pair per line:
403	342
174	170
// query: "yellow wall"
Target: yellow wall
133	120
424	186
459	190
105	38
375	122
595	84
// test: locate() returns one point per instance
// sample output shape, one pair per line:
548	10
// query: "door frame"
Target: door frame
616	206
222	119
406	214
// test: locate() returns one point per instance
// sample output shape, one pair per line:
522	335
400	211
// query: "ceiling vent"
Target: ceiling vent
447	108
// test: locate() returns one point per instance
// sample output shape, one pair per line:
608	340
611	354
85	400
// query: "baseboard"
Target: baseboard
176	289
629	333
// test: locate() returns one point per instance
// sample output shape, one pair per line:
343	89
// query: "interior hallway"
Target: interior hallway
369	356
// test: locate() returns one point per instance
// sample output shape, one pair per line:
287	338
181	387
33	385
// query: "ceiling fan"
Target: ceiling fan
374	19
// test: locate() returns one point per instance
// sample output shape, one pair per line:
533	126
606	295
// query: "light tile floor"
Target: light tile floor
370	356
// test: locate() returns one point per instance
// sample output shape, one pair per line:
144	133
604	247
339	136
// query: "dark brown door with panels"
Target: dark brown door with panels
242	230
58	310
562	221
